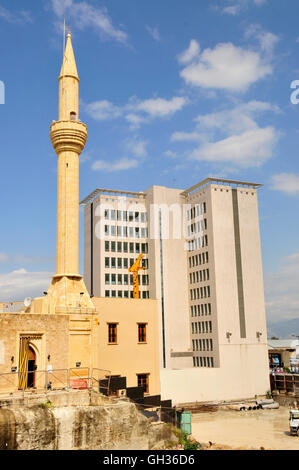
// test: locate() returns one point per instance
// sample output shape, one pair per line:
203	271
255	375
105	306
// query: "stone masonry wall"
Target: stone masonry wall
96	423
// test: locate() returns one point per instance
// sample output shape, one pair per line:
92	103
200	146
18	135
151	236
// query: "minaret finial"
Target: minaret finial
69	32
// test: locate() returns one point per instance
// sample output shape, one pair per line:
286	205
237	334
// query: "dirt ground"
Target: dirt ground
245	429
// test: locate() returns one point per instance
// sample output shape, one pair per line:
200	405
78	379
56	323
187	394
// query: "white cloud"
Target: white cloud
249	149
19	284
266	39
135	120
118	165
83	16
232	135
180	136
154	32
136	111
103	110
189	54
232	10
159	107
226	67
170	154
20	16
281	290
286	182
234	7
137	147
236	120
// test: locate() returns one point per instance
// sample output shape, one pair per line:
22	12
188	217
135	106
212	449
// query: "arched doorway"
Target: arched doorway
27	363
31	367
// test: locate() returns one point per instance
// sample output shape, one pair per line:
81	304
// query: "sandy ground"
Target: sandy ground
246	430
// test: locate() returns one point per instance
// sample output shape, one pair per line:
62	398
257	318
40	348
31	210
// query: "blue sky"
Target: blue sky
172	92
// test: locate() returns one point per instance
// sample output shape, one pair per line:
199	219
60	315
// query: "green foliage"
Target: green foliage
46	404
286	369
183	439
268	394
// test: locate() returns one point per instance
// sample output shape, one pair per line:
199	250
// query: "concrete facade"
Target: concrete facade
204	268
128	357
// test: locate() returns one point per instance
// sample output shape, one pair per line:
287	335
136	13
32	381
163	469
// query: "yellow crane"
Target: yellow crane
134	269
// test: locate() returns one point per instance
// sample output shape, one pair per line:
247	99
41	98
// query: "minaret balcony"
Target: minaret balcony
68	136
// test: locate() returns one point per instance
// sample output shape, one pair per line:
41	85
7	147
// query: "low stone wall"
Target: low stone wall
289	400
77	420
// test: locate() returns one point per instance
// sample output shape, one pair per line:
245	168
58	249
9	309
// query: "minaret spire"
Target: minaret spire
69	67
68	84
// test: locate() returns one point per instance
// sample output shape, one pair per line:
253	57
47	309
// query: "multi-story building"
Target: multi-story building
202	261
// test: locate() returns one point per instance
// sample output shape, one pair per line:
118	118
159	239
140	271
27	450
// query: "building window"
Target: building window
107	280
145	263
106	246
141	332
107	293
112	333
107	262
143	381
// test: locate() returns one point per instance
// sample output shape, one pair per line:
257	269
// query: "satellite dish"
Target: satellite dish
27	301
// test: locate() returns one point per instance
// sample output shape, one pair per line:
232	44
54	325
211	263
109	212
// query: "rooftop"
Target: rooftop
207	181
283	343
90	198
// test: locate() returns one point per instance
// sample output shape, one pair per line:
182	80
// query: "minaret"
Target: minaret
67	293
68	137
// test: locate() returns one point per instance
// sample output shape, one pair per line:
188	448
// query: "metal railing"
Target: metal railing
75	378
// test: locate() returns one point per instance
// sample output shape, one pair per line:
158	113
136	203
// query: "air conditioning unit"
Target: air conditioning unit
122	392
